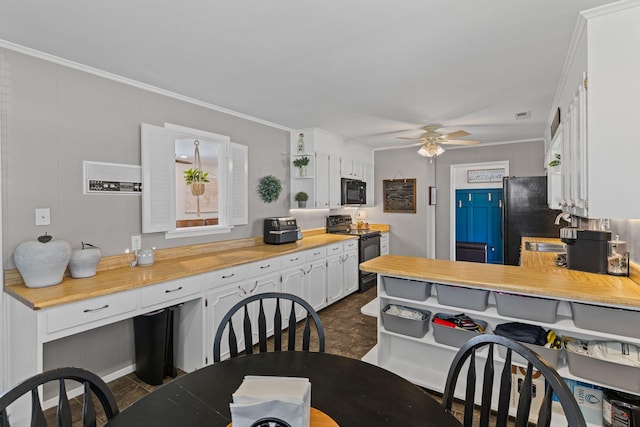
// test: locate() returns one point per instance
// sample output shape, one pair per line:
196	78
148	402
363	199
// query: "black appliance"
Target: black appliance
368	246
586	249
354	192
525	213
280	230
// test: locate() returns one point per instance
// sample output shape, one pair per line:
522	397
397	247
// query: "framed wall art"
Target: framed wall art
399	195
485	175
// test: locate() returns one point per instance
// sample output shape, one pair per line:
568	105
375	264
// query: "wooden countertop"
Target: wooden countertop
170	264
538	275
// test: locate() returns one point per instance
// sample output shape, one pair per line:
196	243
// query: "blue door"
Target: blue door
479	219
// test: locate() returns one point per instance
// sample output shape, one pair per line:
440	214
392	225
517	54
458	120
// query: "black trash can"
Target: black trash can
153	334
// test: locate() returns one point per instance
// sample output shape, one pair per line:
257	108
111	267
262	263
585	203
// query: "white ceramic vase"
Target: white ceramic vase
83	262
42	262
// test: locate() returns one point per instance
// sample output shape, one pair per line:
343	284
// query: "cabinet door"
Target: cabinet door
270	283
317	284
335	278
322	180
294	282
334	181
367	171
350	266
346	167
218	303
463	215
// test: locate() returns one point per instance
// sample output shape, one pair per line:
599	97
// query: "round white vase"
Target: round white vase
42	263
83	262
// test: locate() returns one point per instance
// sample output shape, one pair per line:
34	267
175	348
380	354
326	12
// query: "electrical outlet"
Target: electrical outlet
136	242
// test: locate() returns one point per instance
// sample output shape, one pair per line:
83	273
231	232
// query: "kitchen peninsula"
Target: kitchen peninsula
425	360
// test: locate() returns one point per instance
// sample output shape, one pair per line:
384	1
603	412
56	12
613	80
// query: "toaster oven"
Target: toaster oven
279	230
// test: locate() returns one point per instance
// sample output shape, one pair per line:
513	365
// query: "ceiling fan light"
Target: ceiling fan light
431	150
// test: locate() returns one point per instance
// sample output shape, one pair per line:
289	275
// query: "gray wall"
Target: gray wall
409	235
55	117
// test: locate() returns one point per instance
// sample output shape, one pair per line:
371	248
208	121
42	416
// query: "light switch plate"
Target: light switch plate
43	216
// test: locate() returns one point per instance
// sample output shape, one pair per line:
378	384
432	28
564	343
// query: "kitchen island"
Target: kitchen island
425	360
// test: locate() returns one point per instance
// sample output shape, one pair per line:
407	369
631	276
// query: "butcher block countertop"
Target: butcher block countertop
537	275
115	275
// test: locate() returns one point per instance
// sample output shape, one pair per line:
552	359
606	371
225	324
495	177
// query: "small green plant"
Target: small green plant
301	196
269	188
301	162
192	175
556	161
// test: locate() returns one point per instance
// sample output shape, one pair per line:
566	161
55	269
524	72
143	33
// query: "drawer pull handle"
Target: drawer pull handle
265	266
294	259
317	253
168	291
228	275
91	310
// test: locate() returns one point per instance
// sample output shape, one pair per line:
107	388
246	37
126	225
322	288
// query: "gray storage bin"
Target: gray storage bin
553	356
606	319
612	374
457	296
406	288
400	325
453	336
527	307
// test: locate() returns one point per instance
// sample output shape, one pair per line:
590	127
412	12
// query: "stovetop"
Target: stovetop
341	224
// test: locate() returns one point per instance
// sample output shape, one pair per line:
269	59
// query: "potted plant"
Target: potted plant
302	162
196	177
301	197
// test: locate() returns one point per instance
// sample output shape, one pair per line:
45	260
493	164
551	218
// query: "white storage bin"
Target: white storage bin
527	307
457	296
606	319
612	374
406	288
455	337
412	327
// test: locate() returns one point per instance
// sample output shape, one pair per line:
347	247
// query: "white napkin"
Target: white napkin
285	398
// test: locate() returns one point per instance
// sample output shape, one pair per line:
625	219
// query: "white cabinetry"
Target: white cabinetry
342	270
598	148
330	158
316	269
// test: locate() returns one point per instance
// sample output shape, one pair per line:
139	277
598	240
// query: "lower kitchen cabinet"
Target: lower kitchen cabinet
342	271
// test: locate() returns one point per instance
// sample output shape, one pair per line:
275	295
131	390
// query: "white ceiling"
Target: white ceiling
369	70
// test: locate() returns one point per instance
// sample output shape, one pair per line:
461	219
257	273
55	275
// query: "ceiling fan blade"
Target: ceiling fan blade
459	142
456	134
404	137
396	147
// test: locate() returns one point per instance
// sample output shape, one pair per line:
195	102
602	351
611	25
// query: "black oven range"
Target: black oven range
368	245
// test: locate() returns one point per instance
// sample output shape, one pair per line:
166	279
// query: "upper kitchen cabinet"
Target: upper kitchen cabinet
598	137
330	157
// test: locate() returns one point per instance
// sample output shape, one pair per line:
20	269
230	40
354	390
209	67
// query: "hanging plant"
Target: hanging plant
269	188
195	175
556	161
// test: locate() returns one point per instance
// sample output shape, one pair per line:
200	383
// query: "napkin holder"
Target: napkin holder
260	397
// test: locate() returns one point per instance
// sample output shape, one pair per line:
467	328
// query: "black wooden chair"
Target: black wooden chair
554	383
278	316
91	383
270	422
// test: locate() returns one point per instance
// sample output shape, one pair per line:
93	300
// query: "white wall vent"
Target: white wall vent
111	178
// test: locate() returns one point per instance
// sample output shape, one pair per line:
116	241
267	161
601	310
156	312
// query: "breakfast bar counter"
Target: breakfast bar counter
538	275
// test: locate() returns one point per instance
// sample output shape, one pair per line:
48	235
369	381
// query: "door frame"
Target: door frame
457	183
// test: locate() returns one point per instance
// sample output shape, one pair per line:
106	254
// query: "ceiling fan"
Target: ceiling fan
432	141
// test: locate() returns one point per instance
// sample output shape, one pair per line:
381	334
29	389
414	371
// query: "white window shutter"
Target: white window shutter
239	189
158	179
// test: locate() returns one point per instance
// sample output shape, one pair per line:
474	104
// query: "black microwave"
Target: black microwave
354	192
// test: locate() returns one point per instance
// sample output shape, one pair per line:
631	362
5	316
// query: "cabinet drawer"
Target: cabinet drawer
169	291
225	275
335	248
80	313
350	245
316	254
384	238
293	259
263	267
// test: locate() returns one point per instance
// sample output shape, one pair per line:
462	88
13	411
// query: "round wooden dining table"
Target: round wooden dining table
351	392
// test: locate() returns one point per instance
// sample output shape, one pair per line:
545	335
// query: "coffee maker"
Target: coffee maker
586	249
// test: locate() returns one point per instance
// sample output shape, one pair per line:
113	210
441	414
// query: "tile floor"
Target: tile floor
348	333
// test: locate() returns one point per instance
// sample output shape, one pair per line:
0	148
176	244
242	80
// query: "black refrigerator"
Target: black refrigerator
525	213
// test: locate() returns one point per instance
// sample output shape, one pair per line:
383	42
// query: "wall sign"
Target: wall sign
485	175
399	195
